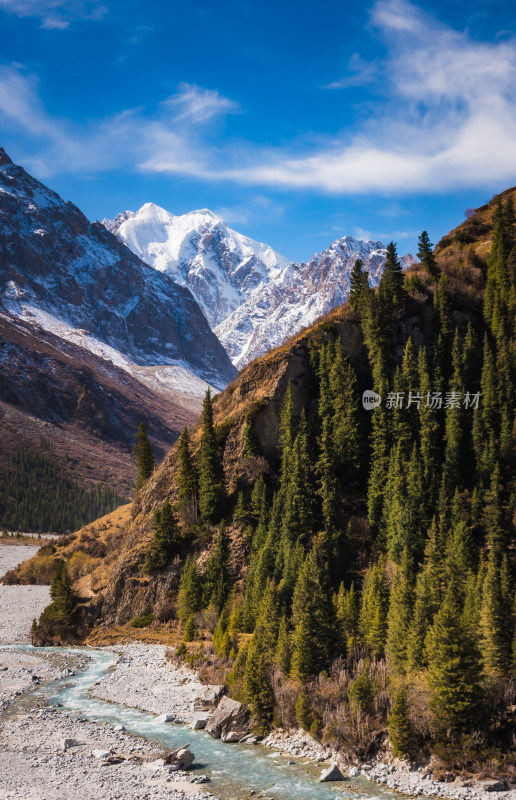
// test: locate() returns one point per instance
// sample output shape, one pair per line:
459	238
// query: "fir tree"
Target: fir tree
211	477
145	461
189	595
187	482
283	653
189	634
256	689
249	441
165	542
426	256
400	616
374	609
303	711
347	616
313	616
456	695
391	292
358	285
495	621
217	575
400	732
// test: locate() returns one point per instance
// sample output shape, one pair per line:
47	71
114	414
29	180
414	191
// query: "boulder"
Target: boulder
494	786
184	758
101	753
166	718
199	721
333	773
229	716
212	694
353	772
231	736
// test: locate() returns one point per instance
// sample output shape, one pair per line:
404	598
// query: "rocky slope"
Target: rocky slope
253	297
87	408
76	279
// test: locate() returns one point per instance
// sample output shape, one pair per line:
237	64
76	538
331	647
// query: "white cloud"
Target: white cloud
360	73
446	119
194	104
55	14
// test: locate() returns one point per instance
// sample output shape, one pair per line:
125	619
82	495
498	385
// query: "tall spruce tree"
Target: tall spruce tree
187	480
165	541
145	461
426	256
211	476
217	575
358	285
391	291
455	671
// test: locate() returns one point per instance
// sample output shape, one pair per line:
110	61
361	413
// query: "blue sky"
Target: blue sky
297	122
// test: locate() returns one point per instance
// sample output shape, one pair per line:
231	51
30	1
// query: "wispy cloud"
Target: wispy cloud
444	118
55	14
360	73
194	104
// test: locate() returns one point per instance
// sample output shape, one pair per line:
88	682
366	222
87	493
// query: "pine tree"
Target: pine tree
374	609
400	616
217	575
145	461
211	476
358	285
400	732
303	711
391	292
256	689
283	653
314	619
426	256
165	542
347	442
495	621
456	695
187	481
189	595
56	623
347	616
189	634
249	441
267	623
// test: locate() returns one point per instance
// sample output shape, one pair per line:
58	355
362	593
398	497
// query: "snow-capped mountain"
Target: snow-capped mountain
253	297
198	250
77	280
296	296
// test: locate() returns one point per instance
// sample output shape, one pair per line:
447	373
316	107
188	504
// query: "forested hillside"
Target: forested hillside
356	567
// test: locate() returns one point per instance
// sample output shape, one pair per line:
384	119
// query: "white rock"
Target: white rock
199	721
166	718
353	772
101	753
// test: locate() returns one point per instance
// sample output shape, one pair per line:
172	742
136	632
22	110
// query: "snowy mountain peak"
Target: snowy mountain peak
219	265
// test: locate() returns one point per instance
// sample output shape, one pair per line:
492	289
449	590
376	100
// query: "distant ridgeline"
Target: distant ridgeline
37	495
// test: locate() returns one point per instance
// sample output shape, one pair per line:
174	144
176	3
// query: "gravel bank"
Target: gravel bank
35	766
144	679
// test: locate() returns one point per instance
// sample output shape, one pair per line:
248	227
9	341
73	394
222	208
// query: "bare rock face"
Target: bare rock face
76	279
229	717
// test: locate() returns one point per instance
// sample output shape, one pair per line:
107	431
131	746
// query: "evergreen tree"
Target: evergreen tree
314	620
249	441
256	689
217	575
347	616
284	647
374	609
426	256
400	732
400	617
391	292
189	595
358	285
303	711
456	695
165	542
495	621
187	480
56	623
211	476
145	461
189	634
347	444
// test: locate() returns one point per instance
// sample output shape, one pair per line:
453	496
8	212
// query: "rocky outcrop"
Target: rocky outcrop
229	722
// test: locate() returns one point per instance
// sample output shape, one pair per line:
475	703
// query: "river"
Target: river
234	769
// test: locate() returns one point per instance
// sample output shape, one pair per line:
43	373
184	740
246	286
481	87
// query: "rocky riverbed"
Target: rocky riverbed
47	755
